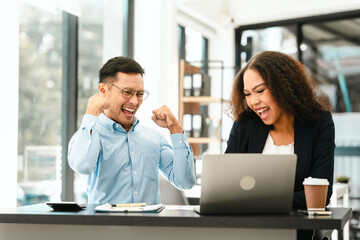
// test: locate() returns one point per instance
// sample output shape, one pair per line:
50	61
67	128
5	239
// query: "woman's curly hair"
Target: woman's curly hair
287	81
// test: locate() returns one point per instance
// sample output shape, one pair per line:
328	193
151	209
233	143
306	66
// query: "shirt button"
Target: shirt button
112	130
180	142
135	193
132	153
134	172
117	125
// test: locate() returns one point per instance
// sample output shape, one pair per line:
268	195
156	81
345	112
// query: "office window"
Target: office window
40	94
195	45
254	41
332	53
181	41
103	27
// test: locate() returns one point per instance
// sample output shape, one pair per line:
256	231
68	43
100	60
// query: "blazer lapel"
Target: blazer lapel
258	138
302	144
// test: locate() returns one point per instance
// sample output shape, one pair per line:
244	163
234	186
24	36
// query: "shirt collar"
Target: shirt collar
112	125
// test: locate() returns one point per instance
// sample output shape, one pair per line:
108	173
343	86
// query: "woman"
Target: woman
277	112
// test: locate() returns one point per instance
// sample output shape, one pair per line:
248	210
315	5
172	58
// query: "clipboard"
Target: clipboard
145	209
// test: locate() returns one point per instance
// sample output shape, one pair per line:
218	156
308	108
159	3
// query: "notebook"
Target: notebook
129	209
247	183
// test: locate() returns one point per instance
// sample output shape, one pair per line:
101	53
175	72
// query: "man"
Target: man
121	156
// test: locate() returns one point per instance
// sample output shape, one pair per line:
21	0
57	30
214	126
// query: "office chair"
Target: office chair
169	194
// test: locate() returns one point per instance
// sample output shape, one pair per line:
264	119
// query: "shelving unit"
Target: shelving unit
198	104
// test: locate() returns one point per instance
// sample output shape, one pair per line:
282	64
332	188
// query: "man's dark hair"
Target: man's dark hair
119	64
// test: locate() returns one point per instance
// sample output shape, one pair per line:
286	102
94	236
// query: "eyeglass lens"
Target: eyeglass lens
128	93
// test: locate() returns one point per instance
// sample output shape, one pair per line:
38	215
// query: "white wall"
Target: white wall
156	49
9	65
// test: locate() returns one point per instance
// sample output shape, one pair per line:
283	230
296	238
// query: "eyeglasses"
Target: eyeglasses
129	92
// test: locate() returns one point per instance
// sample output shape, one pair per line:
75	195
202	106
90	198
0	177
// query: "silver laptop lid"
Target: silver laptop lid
247	183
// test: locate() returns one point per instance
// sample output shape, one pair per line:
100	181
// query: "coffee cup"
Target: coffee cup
315	193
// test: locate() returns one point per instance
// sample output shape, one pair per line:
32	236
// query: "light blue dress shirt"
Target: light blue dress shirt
123	166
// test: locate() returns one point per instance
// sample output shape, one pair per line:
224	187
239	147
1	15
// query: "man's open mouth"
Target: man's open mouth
128	111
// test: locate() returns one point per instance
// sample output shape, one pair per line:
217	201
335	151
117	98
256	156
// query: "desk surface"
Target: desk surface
42	214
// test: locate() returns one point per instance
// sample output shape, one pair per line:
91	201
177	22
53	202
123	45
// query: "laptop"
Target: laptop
247	183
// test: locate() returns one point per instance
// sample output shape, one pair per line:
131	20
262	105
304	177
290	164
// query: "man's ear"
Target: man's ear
102	87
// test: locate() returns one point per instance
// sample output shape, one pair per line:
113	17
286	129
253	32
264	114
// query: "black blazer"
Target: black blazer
313	144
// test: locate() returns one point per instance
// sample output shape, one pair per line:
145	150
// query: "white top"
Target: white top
315	181
271	148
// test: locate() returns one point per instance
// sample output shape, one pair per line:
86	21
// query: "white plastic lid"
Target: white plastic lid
315	181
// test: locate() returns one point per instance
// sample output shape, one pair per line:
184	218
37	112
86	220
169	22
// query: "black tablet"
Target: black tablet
66	206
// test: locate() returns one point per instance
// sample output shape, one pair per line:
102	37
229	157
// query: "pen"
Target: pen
127	205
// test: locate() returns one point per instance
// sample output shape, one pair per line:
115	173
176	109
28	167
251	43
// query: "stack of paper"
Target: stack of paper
128	208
